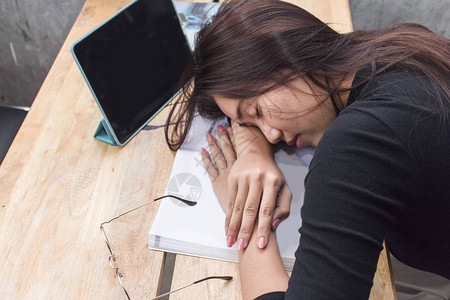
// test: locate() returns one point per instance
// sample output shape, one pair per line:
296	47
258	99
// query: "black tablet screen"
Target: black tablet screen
133	63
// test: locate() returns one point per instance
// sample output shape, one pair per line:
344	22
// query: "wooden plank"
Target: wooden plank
188	269
335	13
58	184
383	281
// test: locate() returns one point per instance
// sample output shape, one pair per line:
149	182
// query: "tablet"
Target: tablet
132	63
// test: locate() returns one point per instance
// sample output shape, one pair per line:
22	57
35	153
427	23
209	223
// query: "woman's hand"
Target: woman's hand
257	188
251	186
224	160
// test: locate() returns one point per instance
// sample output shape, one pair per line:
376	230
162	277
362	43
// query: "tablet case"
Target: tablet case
103	132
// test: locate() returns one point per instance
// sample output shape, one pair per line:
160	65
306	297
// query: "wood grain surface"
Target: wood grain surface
57	184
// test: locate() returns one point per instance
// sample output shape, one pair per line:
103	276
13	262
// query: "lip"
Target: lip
293	141
296	141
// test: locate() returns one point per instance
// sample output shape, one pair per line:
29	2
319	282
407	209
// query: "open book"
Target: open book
200	230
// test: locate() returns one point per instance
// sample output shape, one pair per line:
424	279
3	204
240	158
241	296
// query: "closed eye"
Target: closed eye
247	125
258	113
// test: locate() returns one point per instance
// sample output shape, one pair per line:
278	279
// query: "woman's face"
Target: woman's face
291	114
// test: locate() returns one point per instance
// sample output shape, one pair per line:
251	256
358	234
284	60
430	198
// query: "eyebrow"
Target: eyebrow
239	111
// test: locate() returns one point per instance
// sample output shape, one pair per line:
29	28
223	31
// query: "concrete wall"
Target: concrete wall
434	14
32	32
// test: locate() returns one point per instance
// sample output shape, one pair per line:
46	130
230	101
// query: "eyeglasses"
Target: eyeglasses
112	258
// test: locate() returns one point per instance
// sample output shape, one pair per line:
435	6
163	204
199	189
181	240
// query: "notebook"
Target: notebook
199	230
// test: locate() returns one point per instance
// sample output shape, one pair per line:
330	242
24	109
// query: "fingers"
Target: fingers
283	206
266	211
232	194
225	156
249	215
237	211
225	137
219	163
216	152
213	173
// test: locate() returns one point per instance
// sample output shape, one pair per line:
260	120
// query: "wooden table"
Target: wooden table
58	184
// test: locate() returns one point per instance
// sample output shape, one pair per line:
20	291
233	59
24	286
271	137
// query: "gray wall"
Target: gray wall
32	32
369	14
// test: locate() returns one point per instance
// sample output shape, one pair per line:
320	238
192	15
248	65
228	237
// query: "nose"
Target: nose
272	135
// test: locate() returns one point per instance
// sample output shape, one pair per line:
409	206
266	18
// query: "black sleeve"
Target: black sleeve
359	182
272	296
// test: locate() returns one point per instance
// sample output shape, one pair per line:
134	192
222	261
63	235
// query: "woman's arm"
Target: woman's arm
256	187
261	270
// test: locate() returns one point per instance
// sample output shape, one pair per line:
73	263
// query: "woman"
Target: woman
376	106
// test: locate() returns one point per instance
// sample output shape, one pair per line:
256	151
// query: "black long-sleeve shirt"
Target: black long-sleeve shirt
381	171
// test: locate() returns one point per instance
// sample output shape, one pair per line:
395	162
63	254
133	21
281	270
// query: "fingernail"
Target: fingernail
261	242
275	223
229	129
226	231
240	245
230	241
220	128
203	150
209	137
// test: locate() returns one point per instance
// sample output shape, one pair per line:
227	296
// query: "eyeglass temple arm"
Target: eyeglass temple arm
112	258
188	202
227	278
121	284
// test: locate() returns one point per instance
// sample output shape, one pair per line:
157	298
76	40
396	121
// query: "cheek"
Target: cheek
228	107
278	124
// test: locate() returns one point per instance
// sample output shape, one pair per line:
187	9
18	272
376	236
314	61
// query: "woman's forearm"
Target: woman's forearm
250	140
261	270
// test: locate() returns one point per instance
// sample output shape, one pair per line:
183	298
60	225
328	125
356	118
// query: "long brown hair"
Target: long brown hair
253	46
